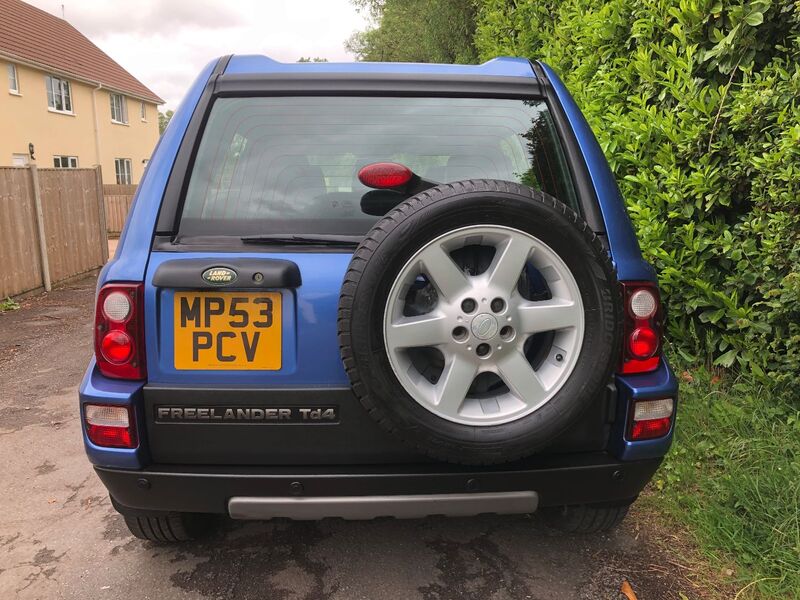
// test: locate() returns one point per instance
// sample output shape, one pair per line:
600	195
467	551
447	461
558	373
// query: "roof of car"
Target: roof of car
254	64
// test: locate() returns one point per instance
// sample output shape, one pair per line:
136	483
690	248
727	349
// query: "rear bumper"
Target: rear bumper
553	481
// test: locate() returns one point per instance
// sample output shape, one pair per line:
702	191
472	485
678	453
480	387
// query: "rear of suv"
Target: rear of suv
362	290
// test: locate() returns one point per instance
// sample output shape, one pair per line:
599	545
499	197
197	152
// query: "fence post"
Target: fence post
37	202
101	207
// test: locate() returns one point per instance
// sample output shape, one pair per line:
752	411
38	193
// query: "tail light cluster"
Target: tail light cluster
119	331
651	419
110	426
642	347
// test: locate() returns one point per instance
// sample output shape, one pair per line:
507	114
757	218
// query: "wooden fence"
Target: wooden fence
118	200
52	226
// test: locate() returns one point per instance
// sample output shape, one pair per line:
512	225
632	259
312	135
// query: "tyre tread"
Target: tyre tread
167	528
586	518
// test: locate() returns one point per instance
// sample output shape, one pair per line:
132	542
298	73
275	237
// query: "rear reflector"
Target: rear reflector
109	426
648	430
385	175
651	418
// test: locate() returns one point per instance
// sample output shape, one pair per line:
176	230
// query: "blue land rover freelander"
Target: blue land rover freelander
363	290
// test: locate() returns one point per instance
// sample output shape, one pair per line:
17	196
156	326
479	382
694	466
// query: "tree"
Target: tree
416	31
164	119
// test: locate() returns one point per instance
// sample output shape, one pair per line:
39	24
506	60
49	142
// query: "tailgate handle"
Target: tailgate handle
248	273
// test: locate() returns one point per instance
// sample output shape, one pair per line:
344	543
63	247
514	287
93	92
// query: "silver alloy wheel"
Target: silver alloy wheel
485	339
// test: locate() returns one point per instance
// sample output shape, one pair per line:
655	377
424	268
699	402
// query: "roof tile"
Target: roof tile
34	35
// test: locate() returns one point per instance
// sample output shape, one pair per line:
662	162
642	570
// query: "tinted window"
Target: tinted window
290	164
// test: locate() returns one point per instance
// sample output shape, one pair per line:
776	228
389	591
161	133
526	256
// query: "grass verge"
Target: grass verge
733	479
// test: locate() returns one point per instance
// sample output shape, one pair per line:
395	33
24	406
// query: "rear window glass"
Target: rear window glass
289	164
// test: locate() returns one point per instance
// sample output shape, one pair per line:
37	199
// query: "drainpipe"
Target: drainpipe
96	123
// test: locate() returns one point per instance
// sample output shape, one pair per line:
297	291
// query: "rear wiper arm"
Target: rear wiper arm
279	239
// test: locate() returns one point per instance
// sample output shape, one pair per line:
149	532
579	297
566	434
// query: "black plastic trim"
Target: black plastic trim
561	480
377	84
186	273
354	438
165	243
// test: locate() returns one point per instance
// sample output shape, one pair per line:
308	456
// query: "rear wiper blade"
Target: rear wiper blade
279	239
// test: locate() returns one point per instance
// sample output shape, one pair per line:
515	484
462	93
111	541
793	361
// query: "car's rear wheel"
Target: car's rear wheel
585	518
478	320
167	527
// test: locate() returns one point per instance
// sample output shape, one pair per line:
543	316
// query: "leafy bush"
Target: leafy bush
696	104
416	31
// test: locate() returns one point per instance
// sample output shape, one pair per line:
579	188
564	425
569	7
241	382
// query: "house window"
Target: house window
143	111
123	168
65	162
13	81
119	108
59	97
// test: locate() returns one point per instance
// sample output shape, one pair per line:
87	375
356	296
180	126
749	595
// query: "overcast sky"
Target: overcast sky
165	43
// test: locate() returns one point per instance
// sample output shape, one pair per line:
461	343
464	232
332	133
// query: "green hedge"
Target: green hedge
696	104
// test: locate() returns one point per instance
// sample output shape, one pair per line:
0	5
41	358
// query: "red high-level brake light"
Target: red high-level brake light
385	175
119	331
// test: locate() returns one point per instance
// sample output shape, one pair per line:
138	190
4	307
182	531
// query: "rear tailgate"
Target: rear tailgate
244	368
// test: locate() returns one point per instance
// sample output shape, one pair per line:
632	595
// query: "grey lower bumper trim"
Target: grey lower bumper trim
370	507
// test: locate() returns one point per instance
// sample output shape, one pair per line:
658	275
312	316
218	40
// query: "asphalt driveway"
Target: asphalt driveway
60	537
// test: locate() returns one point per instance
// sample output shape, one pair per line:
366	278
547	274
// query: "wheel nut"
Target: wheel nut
507	332
483	349
468	305
498	304
460	333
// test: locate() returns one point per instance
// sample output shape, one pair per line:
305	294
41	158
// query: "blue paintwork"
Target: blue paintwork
497	67
130	260
661	383
622	240
310	353
310	346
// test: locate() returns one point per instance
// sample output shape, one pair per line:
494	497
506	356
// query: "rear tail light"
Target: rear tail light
651	419
642	348
110	426
119	331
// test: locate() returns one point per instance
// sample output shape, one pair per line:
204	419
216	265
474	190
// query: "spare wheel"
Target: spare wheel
478	320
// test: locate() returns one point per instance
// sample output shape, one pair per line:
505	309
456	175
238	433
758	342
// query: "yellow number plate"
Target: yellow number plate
228	330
